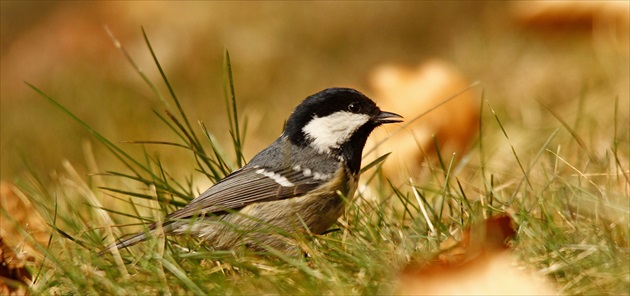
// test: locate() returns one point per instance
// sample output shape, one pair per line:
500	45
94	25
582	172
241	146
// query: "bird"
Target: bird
298	184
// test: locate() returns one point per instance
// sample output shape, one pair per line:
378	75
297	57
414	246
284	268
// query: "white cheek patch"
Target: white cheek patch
284	182
333	130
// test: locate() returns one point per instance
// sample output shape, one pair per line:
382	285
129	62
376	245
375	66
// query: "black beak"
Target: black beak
387	117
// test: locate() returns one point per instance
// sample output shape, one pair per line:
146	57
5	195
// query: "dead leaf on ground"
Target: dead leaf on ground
14	276
480	263
413	91
22	217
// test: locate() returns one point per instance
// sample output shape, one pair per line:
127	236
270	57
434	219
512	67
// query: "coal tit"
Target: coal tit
297	184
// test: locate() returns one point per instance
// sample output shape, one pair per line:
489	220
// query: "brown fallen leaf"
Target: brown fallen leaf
14	276
480	263
22	216
492	235
552	15
411	92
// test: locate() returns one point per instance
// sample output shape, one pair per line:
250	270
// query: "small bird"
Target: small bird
298	184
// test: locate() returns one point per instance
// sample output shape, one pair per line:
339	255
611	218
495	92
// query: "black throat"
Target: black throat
352	150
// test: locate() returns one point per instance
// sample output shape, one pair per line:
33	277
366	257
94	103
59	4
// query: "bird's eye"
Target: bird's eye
354	107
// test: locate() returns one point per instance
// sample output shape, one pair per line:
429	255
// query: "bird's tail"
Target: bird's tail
133	239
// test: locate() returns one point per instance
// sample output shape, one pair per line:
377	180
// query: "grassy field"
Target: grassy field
553	152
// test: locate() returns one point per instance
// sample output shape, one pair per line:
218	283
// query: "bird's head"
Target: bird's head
337	121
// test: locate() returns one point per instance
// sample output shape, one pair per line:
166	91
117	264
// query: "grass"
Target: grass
569	202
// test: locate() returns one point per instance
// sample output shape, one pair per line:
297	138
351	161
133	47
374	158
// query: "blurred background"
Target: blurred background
561	53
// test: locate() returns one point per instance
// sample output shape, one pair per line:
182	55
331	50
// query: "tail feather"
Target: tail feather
131	240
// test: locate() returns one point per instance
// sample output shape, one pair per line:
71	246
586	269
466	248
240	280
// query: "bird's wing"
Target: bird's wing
246	186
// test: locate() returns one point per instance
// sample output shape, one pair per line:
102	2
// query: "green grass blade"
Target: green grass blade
375	162
181	275
139	70
230	102
123	156
505	134
534	161
171	91
571	131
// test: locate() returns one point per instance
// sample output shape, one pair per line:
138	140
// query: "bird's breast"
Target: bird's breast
321	208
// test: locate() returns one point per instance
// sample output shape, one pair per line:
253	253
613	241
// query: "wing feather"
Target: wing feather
246	186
